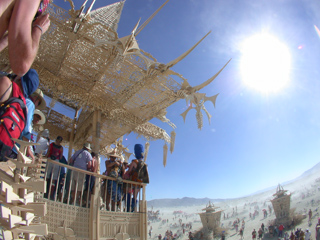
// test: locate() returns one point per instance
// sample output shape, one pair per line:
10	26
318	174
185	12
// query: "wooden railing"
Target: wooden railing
73	186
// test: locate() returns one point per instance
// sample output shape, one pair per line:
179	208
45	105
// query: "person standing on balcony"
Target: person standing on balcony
124	176
135	173
38	119
81	159
55	149
22	23
55	152
90	180
44	142
114	168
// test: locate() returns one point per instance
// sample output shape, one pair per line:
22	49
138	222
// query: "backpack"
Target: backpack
114	172
13	117
142	171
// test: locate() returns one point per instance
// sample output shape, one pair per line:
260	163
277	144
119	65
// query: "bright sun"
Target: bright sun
265	63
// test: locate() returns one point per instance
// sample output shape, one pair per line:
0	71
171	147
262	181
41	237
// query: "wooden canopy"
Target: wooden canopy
85	66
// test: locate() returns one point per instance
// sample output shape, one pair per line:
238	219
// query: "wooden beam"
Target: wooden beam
95	198
72	133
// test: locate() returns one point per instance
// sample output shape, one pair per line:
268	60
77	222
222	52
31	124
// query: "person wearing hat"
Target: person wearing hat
22	23
114	167
80	159
38	118
38	99
34	101
113	164
44	142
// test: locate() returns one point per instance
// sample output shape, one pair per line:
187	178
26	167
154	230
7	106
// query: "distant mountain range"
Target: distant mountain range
181	202
311	171
187	201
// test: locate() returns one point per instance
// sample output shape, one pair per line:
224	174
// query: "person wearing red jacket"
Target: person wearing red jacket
281	227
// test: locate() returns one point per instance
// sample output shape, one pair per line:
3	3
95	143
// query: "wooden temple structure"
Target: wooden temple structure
113	88
281	206
211	217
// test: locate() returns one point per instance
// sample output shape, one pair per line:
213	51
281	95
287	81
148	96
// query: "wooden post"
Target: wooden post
95	198
96	134
72	134
143	215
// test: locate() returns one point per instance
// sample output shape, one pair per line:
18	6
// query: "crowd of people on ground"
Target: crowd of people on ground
270	230
236	224
281	233
176	228
154	216
274	231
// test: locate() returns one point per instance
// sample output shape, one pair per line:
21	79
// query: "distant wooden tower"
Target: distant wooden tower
281	206
211	218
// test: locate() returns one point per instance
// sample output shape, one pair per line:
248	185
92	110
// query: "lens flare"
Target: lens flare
317	30
265	63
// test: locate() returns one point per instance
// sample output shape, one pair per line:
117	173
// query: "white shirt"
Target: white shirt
43	147
307	235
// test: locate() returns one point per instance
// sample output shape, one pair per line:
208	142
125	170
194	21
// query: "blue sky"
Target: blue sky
255	140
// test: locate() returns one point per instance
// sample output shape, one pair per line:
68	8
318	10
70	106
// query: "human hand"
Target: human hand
43	21
33	158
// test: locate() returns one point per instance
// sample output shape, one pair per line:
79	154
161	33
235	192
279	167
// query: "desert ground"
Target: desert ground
305	195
